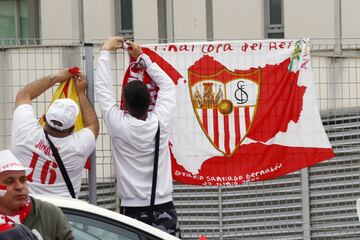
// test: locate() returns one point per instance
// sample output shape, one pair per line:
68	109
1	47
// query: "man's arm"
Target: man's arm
37	87
103	81
89	116
166	96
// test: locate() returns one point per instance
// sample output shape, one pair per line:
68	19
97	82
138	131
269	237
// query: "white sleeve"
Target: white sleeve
105	92
86	140
166	96
23	120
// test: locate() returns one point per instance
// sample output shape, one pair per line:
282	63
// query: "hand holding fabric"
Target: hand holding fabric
80	84
62	76
113	43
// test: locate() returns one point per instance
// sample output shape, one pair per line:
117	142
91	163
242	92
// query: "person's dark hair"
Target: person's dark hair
137	98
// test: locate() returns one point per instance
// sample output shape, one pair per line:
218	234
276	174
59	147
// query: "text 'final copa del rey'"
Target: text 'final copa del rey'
226	47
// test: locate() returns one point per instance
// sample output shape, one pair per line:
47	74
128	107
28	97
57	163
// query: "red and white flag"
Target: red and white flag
246	110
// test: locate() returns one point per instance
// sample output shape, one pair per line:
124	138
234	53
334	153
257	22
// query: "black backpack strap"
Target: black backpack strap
61	166
156	160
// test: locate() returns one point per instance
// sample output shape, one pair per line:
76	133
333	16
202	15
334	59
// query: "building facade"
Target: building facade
155	20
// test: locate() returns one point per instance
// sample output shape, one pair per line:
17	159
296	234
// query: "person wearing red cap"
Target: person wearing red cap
31	143
133	135
45	220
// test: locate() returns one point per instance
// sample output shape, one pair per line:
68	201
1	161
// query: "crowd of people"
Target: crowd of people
49	158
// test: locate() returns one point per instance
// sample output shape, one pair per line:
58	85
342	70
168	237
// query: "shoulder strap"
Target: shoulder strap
61	166
156	160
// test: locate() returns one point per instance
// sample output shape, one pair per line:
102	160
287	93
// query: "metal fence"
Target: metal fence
315	203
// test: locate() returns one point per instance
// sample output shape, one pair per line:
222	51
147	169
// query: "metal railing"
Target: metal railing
316	203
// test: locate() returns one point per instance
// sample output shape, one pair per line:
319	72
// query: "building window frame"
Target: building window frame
128	33
162	24
33	27
273	30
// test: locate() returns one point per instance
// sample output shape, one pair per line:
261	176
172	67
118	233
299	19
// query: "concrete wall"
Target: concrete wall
232	19
350	18
145	20
238	19
189	19
308	18
58	20
99	19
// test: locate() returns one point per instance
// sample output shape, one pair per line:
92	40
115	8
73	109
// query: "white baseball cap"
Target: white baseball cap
8	162
62	114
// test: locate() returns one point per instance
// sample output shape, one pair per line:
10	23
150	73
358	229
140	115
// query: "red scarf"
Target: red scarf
4	225
21	215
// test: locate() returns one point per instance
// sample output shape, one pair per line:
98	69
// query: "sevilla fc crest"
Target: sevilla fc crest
224	102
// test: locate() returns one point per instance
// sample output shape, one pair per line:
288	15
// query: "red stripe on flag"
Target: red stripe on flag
216	127
255	157
226	134
66	87
205	120
237	126
247	117
167	67
87	164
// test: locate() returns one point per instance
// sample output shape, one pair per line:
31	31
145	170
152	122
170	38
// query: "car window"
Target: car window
95	229
88	226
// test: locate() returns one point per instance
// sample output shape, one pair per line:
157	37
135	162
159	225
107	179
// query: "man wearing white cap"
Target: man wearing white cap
45	220
30	141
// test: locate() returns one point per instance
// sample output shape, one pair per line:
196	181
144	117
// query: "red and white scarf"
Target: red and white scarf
18	217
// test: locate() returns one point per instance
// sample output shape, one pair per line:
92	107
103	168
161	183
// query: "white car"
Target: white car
90	222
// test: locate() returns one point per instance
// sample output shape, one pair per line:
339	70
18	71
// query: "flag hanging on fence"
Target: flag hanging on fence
246	110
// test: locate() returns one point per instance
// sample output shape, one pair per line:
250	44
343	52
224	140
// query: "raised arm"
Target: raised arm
103	81
37	87
89	116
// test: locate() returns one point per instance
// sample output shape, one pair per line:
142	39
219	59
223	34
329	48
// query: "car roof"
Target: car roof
81	205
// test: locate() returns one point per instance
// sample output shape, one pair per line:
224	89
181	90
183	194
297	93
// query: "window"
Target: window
88	226
274	19
124	17
162	21
19	20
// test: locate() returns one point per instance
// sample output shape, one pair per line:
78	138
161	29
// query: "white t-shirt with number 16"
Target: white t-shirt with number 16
30	146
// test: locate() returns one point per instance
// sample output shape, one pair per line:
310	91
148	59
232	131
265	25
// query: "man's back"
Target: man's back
133	150
133	140
30	146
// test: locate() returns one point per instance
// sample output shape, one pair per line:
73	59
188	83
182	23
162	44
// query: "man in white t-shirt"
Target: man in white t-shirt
30	145
132	135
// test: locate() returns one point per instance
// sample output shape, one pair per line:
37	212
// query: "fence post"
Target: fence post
89	70
305	203
170	20
338	28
